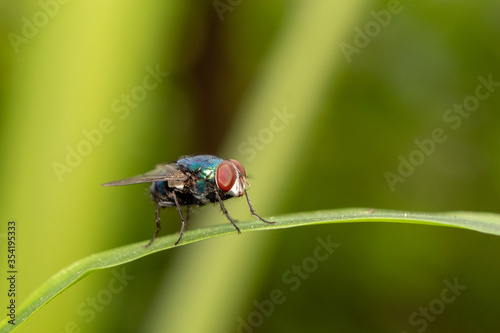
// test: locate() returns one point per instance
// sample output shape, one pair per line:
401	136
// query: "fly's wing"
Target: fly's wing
163	172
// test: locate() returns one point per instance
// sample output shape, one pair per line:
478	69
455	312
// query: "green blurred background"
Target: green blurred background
232	67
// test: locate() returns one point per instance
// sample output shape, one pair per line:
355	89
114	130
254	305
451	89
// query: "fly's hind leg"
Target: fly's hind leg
158	226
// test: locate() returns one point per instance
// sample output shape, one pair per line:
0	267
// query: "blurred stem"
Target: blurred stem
212	282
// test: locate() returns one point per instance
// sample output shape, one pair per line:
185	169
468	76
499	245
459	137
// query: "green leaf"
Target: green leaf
482	222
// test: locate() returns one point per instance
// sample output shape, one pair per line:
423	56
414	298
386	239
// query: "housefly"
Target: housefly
193	181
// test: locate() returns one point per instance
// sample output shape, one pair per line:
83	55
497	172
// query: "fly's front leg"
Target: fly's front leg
224	210
252	211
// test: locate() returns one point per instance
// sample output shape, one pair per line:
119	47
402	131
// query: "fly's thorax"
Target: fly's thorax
201	171
198	186
207	174
201	166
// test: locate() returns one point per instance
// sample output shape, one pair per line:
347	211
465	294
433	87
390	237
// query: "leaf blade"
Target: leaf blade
477	221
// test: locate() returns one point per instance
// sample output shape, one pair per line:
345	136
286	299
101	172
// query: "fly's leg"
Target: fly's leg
179	209
158	227
224	210
252	211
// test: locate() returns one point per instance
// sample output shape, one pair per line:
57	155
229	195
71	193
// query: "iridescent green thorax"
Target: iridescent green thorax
200	186
203	168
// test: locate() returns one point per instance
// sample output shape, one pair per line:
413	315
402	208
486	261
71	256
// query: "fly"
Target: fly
193	181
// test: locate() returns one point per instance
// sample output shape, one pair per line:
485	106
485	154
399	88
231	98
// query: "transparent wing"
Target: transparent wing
162	172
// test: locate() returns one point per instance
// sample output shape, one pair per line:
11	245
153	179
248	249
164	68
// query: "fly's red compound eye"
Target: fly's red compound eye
226	175
239	167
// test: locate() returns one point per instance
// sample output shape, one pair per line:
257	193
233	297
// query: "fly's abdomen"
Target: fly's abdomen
186	194
160	187
159	192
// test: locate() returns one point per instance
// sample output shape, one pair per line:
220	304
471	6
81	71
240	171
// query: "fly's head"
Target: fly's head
230	178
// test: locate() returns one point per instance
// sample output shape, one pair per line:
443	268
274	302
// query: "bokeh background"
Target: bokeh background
73	69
